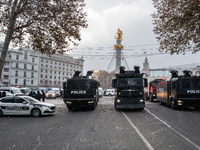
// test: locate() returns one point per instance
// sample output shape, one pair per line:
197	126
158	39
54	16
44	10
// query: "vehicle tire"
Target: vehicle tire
162	103
1	113
151	98
109	94
69	107
36	112
173	105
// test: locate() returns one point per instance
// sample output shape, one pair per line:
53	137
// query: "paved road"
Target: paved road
156	127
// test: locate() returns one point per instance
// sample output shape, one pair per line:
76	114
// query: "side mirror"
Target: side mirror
114	83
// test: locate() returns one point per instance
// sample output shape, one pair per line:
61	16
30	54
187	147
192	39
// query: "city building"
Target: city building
29	68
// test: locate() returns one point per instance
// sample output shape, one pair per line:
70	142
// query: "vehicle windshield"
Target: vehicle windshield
189	83
130	81
83	84
16	91
31	99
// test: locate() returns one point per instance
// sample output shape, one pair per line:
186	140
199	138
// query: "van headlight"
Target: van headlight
118	101
141	101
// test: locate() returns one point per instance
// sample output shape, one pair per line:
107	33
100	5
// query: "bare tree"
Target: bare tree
45	25
177	24
105	79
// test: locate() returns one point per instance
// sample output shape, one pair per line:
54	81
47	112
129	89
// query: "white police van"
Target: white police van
15	91
25	105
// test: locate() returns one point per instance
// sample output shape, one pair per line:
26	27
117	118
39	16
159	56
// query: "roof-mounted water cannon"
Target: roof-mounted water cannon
122	70
76	74
89	74
187	73
137	69
174	73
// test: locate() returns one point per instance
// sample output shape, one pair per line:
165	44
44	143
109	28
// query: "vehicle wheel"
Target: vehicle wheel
173	105
35	112
109	94
151	98
1	113
69	107
162	103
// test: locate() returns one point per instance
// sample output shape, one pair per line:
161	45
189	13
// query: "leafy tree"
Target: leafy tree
49	26
177	24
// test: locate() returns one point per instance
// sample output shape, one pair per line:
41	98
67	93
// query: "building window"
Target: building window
16	81
41	76
46	61
51	66
50	77
6	69
46	71
32	67
55	67
46	76
32	75
50	71
24	74
32	82
54	77
24	82
54	82
16	73
41	70
51	62
46	66
55	72
41	65
5	77
17	57
17	65
40	81
33	59
25	66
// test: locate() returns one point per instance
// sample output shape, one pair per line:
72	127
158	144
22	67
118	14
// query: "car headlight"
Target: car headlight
45	107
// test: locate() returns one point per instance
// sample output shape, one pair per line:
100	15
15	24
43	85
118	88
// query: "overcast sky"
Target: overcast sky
133	18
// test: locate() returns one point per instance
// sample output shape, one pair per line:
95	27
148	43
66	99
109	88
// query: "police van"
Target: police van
15	91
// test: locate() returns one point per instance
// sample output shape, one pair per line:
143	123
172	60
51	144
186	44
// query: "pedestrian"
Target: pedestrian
43	96
38	95
30	94
4	94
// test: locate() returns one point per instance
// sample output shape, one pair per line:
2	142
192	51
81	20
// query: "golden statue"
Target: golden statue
119	35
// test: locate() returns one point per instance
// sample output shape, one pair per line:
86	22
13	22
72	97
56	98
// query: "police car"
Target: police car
25	105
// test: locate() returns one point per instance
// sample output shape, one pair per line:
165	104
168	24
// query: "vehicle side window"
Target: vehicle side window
7	100
19	100
11	91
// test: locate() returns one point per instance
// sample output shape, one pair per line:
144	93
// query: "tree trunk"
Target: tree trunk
8	37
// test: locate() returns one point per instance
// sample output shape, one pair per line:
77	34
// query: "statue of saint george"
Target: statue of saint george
119	35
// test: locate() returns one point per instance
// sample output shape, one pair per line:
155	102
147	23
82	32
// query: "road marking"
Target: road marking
138	132
174	130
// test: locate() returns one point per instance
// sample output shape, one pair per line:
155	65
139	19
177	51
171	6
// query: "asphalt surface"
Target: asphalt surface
155	128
